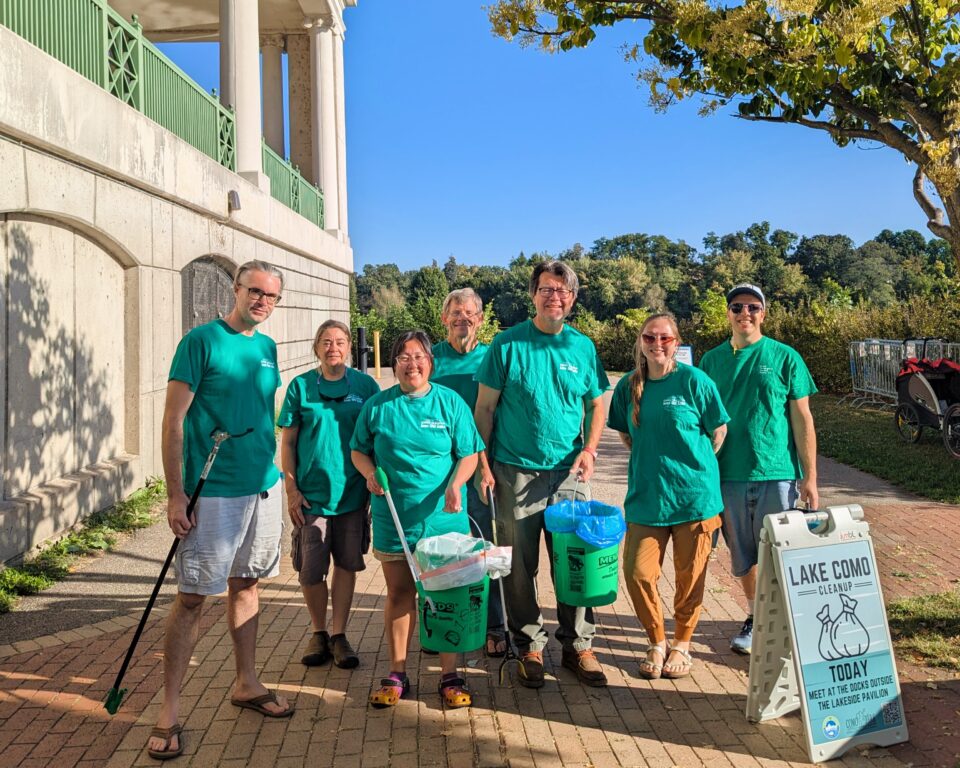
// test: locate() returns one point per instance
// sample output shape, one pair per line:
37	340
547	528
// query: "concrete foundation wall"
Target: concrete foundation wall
100	212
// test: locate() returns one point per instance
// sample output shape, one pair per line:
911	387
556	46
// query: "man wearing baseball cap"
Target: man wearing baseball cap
768	460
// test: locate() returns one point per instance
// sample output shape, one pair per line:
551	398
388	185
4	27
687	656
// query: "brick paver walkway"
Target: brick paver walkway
52	688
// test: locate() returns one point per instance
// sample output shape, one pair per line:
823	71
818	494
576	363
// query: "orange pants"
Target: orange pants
645	548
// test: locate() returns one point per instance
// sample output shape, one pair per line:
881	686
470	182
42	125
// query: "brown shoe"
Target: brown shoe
585	664
343	654
318	650
531	669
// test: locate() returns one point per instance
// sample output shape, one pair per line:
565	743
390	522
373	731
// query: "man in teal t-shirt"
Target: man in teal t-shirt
455	364
538	393
769	459
224	376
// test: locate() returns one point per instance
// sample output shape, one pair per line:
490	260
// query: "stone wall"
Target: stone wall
101	210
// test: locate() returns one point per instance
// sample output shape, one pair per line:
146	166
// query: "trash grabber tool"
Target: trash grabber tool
509	655
381	477
115	695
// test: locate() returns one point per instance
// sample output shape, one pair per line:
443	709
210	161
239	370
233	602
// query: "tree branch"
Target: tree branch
932	211
820	125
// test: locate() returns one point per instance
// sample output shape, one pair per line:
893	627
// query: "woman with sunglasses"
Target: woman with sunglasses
670	416
423	437
327	498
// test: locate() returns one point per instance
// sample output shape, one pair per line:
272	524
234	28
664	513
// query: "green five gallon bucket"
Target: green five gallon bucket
584	575
459	619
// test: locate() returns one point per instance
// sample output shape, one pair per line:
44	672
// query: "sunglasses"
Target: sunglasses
737	308
327	399
653	338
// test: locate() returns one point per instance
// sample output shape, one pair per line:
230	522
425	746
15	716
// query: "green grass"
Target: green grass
98	532
928	628
867	439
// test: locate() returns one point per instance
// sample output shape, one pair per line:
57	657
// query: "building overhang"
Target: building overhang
199	20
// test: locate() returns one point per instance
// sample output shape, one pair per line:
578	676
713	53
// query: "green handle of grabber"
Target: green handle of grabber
381	477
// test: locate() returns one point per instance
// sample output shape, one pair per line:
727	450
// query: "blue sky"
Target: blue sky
459	143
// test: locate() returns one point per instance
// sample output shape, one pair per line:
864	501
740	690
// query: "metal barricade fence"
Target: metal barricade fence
875	363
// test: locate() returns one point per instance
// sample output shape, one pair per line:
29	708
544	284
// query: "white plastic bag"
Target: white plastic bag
456	560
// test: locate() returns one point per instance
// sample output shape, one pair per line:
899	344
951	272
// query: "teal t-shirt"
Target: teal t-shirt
673	476
417	441
234	380
544	380
756	384
326	413
456	371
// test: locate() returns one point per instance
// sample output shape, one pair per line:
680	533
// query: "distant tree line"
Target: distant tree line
895	284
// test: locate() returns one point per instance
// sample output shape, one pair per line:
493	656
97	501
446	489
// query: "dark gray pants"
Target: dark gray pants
522	496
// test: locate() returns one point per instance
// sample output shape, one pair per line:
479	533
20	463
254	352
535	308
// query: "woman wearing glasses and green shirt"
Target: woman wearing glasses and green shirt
423	437
670	416
327	498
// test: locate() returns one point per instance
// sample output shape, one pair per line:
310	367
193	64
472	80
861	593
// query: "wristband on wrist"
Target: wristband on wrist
591	451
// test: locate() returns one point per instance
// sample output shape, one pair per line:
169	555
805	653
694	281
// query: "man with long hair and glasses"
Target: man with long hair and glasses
769	459
223	376
540	399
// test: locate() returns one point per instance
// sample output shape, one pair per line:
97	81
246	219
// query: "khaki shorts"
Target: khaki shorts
389	557
234	538
344	537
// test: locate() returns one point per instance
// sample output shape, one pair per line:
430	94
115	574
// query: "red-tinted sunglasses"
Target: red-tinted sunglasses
653	338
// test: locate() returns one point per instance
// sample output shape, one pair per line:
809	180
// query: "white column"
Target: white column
240	26
299	80
324	120
273	93
228	74
341	128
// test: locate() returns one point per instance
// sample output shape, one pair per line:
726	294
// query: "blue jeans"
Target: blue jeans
744	507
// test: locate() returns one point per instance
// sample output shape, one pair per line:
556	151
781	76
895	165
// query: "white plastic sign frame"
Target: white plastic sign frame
821	641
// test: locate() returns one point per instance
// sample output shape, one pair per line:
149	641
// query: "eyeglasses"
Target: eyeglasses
653	338
462	314
561	293
404	359
257	295
736	308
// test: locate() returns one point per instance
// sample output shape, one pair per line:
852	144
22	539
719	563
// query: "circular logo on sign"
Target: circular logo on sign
831	727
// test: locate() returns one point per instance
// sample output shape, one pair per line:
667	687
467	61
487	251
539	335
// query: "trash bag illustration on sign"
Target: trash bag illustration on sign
845	636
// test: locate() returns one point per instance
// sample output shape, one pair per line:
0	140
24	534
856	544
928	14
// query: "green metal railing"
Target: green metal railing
94	40
291	189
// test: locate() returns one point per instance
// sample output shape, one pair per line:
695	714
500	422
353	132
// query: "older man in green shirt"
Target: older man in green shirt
540	399
769	459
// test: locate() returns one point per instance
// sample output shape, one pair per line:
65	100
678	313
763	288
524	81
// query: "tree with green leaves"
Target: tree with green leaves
884	71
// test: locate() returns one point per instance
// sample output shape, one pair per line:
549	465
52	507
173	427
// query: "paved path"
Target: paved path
53	680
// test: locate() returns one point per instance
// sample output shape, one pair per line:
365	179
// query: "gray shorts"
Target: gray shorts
744	507
234	538
346	537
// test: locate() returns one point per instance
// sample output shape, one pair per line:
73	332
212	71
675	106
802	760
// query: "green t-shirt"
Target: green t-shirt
417	441
673	476
456	371
545	380
326	413
234	380
756	384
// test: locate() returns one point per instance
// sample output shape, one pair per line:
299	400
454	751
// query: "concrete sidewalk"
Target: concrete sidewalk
52	684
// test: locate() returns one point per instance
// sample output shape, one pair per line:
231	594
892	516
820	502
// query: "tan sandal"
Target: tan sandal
389	693
649	669
678	670
454	692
